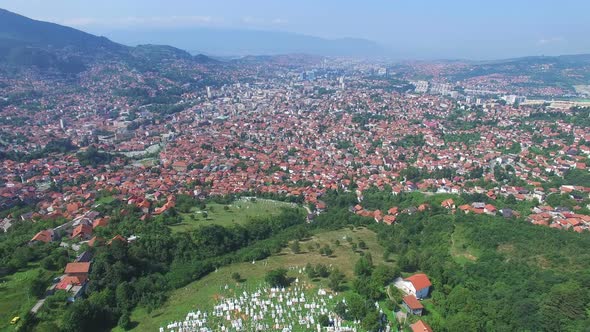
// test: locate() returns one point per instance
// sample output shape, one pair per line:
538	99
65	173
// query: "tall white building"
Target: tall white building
421	86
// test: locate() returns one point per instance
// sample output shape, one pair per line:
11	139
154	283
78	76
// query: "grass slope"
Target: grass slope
225	215
14	296
203	293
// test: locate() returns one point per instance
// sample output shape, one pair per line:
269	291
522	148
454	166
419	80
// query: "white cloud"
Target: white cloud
551	40
249	20
279	21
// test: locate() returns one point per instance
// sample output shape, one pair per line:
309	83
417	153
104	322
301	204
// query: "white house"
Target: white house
417	285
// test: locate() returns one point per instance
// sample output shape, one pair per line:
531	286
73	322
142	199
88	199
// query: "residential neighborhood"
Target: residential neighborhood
144	187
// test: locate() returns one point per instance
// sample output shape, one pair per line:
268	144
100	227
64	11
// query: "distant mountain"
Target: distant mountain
553	70
248	42
567	60
26	43
294	60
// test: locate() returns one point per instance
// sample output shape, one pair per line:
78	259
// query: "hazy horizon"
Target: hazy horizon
421	29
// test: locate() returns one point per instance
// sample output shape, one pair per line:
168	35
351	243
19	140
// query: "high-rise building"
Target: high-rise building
421	86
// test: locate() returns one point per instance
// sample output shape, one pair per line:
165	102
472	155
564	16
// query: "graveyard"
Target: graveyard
219	288
264	308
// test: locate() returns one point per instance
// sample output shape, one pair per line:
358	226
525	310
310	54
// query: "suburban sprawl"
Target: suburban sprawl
152	190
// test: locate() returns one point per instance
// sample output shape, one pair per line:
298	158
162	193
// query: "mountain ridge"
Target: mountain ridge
26	43
235	42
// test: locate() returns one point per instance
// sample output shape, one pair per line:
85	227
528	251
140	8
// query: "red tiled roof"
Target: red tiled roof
412	302
82	229
419	281
420	326
43	236
73	268
117	238
70	280
447	203
102	222
94	241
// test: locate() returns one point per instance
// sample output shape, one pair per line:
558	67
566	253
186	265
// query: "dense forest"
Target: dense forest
488	273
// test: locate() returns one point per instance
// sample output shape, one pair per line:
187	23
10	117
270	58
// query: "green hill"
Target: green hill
26	43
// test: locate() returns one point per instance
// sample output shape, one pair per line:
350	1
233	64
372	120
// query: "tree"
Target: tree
322	271
323	320
462	322
363	267
357	306
396	295
336	280
564	303
368	288
311	271
326	250
48	263
38	285
383	274
372	321
123	294
79	317
125	320
236	277
295	247
277	278
387	255
510	199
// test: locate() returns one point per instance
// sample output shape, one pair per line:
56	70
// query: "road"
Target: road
38	305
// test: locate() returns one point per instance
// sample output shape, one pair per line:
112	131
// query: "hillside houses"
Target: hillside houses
44	236
412	305
415	288
420	326
276	136
417	285
559	218
75	279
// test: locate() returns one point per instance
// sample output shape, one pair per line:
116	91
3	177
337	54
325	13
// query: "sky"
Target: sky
422	29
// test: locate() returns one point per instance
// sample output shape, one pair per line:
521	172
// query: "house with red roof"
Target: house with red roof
82	231
180	166
412	305
100	222
466	208
377	215
393	211
117	238
417	285
448	203
420	326
44	236
75	278
489	209
389	219
95	241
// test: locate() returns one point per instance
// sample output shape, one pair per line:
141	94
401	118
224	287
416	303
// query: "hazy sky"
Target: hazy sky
477	29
